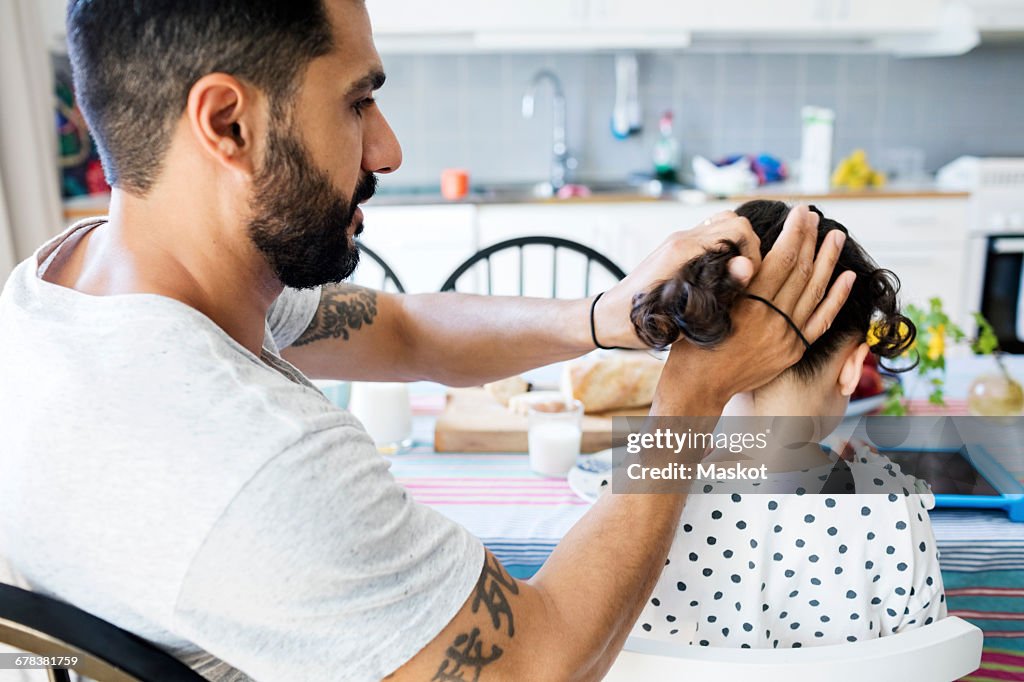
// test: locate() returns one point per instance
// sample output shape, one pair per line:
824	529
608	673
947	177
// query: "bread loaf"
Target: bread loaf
612	380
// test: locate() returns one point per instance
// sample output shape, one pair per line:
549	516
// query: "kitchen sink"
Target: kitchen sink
532	192
523	192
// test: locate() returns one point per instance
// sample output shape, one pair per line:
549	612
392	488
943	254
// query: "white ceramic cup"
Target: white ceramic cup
384	410
554	437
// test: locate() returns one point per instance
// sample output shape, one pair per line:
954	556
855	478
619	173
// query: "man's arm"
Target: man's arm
457	339
570	621
465	340
572	618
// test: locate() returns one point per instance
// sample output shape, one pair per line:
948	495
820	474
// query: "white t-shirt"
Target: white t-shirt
789	570
157	474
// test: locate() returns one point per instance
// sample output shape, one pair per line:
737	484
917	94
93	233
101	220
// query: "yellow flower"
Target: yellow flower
936	342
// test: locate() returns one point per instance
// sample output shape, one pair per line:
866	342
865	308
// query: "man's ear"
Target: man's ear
222	117
849	374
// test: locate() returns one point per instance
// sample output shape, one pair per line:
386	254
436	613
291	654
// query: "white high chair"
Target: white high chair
941	652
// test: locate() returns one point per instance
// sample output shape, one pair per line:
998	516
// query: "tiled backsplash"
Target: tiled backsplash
466	110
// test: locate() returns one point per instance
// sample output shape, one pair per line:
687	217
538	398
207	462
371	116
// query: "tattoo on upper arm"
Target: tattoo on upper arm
343	308
465	658
490	593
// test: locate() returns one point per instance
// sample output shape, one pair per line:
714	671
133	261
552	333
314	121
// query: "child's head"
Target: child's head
697	303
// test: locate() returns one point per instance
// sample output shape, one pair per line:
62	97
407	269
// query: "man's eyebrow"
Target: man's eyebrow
371	81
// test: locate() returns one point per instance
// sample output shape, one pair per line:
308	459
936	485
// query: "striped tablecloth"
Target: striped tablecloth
520	517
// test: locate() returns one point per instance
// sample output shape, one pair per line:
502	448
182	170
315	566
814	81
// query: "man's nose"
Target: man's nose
381	151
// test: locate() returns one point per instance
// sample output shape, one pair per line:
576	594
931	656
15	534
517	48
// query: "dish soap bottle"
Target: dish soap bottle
666	151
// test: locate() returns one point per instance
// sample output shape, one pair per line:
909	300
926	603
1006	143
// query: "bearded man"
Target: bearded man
168	466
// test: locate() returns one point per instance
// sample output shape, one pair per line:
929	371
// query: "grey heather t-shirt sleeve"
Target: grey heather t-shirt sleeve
291	314
323	567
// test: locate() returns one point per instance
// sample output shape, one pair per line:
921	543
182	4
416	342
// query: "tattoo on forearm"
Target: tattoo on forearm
343	308
465	658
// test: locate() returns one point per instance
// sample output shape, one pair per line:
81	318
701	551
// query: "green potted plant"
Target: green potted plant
992	394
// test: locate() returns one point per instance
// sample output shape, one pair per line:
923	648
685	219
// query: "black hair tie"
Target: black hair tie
593	329
784	316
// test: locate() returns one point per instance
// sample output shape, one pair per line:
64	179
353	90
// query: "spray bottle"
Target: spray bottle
666	151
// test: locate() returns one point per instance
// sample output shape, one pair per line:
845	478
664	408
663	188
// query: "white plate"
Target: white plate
866	405
585	478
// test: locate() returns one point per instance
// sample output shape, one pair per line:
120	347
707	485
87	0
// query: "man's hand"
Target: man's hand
762	344
611	317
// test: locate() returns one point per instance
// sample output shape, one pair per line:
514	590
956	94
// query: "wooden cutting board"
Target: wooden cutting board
473	421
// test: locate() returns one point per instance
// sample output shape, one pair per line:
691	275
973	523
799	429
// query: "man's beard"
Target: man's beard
300	221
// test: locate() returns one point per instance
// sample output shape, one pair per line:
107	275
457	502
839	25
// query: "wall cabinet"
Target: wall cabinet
567	20
887	17
640	15
998	15
401	17
466	26
456	16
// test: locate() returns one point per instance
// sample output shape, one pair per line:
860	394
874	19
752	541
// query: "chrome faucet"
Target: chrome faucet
561	163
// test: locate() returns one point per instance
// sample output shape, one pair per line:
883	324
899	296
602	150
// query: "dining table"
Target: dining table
521	516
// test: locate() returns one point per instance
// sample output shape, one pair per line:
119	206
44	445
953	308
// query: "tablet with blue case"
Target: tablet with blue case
968	477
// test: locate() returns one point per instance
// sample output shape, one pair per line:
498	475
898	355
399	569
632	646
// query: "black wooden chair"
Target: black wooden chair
586	256
388	275
41	626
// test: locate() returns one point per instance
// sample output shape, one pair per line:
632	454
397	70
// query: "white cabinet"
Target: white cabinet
831	17
998	15
745	17
886	16
624	232
588	224
422	244
391	17
563	24
532	24
643	15
923	241
454	16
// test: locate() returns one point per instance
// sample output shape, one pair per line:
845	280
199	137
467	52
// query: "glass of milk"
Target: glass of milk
554	435
385	412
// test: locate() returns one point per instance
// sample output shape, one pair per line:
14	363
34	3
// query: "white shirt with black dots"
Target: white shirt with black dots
789	570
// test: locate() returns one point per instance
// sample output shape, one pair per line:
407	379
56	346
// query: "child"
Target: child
790	570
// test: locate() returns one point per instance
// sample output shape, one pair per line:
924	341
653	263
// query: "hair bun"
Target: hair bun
892	334
696	303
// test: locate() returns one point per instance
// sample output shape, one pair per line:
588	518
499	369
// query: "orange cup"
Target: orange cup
454	183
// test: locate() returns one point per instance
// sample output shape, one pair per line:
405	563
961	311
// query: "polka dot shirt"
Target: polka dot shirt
792	570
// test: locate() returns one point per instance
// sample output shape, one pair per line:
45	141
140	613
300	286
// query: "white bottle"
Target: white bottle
816	152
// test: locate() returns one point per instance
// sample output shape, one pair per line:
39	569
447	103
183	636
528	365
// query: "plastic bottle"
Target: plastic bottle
666	151
816	152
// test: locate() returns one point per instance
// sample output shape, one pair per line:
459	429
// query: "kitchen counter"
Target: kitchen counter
398	195
522	194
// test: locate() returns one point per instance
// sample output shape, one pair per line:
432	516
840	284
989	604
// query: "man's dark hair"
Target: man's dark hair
696	303
134	62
